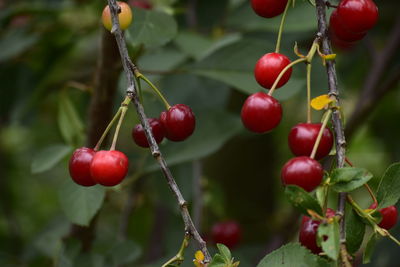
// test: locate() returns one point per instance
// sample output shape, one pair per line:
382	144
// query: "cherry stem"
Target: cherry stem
155	89
123	108
278	41
371	193
179	257
103	136
321	131
309	93
271	91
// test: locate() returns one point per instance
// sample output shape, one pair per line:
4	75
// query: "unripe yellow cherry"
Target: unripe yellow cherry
125	17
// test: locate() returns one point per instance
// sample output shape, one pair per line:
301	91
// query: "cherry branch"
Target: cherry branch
131	92
336	118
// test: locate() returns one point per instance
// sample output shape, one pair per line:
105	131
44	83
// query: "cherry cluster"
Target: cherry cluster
88	167
351	20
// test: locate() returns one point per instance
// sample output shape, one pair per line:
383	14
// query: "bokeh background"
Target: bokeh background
61	80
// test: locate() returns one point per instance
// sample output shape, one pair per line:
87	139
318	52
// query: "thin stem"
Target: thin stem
179	257
103	136
321	131
116	133
278	41
309	93
271	91
131	92
155	89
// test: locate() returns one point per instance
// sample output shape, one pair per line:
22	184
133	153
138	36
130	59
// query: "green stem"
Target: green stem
321	131
179	257
278	41
155	89
309	93
140	91
103	136
123	108
271	91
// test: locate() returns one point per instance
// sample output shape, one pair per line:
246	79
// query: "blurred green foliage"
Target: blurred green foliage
205	59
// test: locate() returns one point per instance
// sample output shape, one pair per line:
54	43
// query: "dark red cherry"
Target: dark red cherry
268	68
339	30
308	232
302	171
302	138
261	113
79	166
389	216
109	168
179	122
228	233
141	4
268	8
357	15
157	129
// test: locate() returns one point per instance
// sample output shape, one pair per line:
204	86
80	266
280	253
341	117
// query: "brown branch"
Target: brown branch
100	112
131	92
374	89
337	122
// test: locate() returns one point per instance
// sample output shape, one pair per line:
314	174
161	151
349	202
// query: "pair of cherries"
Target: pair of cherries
106	167
351	21
176	124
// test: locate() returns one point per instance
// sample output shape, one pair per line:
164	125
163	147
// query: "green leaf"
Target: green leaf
328	235
80	203
48	157
302	200
213	129
388	190
217	261
225	252
293	255
349	178
15	42
355	230
151	28
124	252
369	249
70	124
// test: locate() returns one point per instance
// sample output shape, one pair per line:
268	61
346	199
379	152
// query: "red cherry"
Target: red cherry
261	113
228	233
340	44
302	171
141	4
157	129
340	31
79	166
109	168
389	216
308	232
268	68
302	138
357	15
268	8
179	122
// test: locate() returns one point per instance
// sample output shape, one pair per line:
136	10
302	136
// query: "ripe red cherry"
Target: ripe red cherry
157	129
268	68
302	138
268	8
357	15
179	122
302	171
109	168
79	166
308	232
339	30
228	233
389	216
261	112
